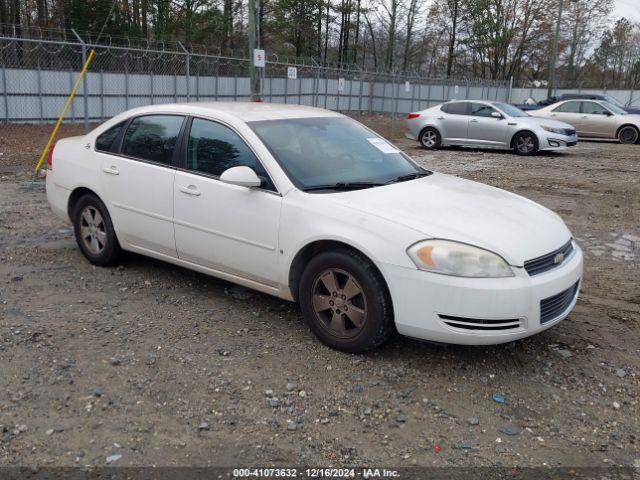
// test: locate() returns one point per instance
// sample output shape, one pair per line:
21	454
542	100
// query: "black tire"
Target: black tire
430	138
628	134
102	232
525	143
373	299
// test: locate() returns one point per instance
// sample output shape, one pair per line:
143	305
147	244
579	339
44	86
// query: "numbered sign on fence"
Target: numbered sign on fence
407	86
292	73
341	84
259	57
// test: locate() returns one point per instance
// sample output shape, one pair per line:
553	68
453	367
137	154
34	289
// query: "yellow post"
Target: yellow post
64	110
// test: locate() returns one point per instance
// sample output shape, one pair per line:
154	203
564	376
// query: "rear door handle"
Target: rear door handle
112	170
474	120
440	118
190	190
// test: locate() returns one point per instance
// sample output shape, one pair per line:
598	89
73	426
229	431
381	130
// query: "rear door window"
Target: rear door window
458	108
153	138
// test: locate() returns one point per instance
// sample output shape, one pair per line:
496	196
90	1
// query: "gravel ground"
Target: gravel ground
152	364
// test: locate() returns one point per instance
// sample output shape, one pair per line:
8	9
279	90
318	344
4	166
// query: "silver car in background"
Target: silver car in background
595	119
480	123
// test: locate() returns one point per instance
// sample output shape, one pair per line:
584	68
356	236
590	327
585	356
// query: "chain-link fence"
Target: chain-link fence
37	75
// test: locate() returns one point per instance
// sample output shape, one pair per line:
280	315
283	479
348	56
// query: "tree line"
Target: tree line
495	39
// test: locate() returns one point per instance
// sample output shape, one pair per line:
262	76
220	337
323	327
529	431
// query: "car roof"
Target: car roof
586	96
245	111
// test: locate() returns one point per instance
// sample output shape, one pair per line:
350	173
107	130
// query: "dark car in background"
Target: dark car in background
578	96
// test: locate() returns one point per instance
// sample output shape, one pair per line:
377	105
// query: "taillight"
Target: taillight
412	115
50	157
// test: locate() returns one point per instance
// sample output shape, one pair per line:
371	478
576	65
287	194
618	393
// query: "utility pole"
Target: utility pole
554	53
253	35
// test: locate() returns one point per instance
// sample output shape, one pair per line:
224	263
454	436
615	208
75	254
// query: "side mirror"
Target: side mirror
496	115
241	176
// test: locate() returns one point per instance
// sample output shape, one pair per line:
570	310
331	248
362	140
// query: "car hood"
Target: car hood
447	207
630	118
537	121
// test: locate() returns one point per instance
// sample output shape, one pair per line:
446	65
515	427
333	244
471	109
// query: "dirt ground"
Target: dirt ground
152	364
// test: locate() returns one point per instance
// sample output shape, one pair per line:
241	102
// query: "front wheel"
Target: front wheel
345	301
628	134
525	143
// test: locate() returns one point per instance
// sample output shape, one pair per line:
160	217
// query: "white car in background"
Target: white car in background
480	123
595	119
311	206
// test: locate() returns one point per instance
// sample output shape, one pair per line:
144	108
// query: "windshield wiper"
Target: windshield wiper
410	176
344	186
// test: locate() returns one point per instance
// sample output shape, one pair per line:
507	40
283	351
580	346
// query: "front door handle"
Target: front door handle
474	120
111	170
190	190
440	118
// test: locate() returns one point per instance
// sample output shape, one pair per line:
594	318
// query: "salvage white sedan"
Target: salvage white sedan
311	206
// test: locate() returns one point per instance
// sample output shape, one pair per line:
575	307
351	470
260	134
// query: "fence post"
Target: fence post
395	97
360	93
40	92
85	98
151	89
6	94
126	87
187	72
101	95
326	86
73	108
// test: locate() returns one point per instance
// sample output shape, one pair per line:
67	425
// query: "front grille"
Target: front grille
480	324
553	307
548	261
569	131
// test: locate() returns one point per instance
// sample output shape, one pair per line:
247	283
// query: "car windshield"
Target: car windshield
510	110
614	108
333	152
612	100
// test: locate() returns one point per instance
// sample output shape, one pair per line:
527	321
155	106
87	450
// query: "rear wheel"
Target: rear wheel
628	134
94	231
525	143
345	301
430	138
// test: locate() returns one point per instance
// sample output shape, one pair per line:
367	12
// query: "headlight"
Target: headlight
458	259
559	131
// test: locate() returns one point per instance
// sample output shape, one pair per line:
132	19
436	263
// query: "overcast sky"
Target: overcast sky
627	8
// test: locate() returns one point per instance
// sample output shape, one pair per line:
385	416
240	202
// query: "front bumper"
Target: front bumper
553	141
421	299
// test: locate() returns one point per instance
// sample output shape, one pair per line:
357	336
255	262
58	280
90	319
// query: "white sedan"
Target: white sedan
312	206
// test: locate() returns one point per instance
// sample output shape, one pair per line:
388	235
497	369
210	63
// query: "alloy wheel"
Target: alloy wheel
339	303
628	135
93	230
429	138
525	144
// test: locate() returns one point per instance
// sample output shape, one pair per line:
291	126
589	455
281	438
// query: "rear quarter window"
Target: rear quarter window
105	142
